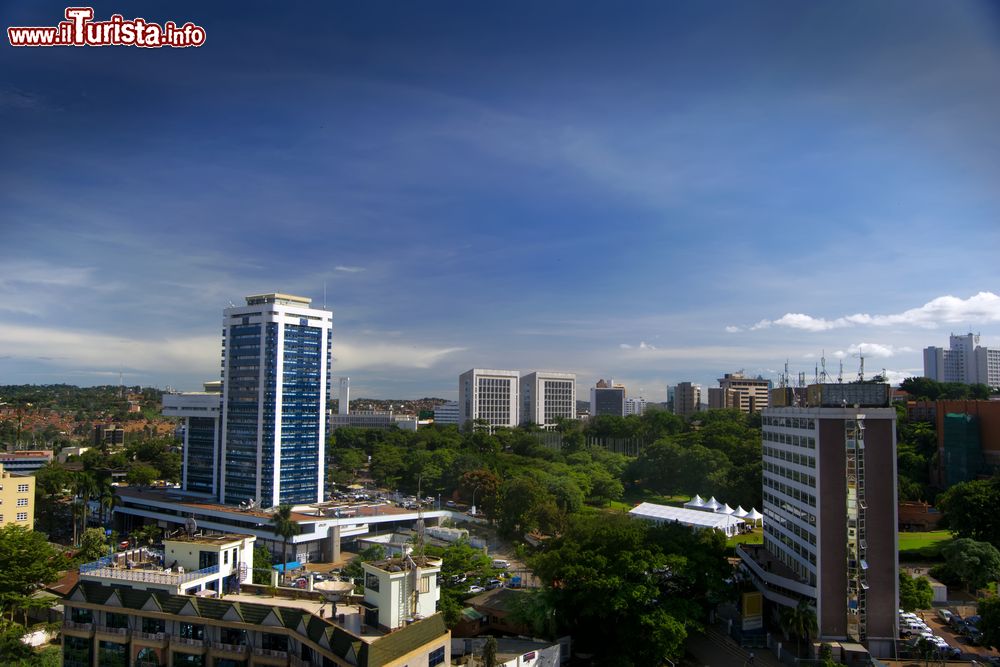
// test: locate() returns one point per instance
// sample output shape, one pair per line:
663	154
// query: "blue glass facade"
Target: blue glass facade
275	375
201	445
302	404
242	411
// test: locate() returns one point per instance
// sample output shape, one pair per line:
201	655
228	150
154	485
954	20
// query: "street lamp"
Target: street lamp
473	510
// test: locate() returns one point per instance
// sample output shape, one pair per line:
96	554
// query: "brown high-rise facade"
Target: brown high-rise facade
830	515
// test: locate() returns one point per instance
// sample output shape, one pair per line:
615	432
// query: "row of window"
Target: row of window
20	516
791	510
791	457
788	473
790	439
790	491
790	422
790	526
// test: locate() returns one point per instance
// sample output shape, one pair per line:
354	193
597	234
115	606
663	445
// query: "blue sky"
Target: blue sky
642	191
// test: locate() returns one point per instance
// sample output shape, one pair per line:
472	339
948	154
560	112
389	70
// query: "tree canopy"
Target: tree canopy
654	581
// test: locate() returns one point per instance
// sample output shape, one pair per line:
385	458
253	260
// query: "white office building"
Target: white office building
547	396
275	376
635	406
964	361
446	413
490	395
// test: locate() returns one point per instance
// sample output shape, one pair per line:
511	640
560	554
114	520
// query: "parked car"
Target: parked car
500	564
476	589
493	583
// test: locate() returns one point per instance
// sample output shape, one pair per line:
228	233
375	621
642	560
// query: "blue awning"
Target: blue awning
292	565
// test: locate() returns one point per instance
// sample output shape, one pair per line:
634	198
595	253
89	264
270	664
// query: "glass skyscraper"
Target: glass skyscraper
276	361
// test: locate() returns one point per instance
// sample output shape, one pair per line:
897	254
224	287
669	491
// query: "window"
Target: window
436	657
22	516
22	502
22	488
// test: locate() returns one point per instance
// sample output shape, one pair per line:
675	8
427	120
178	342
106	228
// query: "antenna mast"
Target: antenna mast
823	377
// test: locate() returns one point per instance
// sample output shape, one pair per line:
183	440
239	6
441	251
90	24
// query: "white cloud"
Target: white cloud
349	269
983	307
97	350
643	345
732	329
351	356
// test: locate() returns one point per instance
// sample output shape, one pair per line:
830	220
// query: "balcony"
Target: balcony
78	629
298	662
145	572
269	656
152	639
113	634
187	644
223	650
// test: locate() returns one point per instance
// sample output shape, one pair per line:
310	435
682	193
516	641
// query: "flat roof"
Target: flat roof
276	297
209	539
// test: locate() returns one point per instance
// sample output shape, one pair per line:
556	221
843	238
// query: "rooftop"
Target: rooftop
218	540
276	297
398	564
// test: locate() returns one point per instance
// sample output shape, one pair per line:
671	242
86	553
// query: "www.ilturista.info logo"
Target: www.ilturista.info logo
79	29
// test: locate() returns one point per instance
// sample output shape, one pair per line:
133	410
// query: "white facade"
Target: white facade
403	589
964	361
446	413
635	406
547	396
190	564
489	394
344	397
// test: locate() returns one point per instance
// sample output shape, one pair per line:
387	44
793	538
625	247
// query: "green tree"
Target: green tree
286	528
970	509
974	563
93	545
989	610
26	561
142	474
798	621
262	565
915	592
655	581
490	652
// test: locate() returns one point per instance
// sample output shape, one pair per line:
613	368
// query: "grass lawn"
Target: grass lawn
756	537
922	546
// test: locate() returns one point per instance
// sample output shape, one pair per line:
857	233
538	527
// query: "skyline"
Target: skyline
662	195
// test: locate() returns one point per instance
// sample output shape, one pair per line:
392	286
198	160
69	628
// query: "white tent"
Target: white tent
740	513
755	516
725	509
712	504
695	518
695	503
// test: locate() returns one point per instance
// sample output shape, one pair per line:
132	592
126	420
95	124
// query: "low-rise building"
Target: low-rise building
25	462
114	626
196	564
17	499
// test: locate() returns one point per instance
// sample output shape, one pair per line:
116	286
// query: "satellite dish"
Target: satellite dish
190	525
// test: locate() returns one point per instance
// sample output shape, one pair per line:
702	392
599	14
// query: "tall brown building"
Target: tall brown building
830	515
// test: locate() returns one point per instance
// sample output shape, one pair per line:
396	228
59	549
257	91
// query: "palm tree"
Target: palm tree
286	528
84	488
799	621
